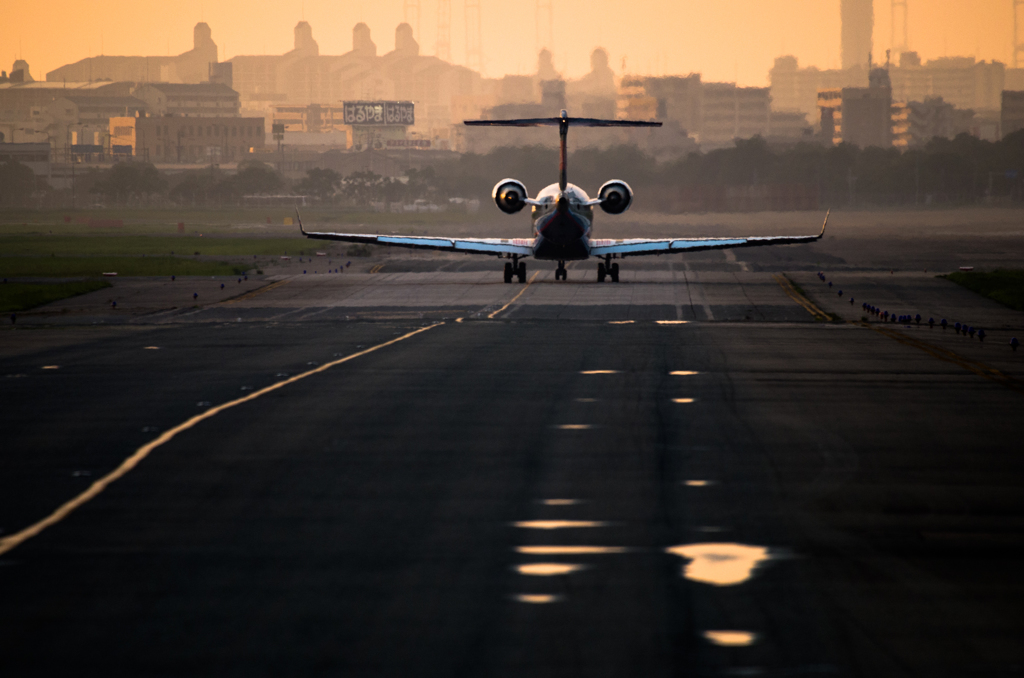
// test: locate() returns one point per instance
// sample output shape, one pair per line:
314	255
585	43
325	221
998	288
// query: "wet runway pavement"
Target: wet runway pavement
533	486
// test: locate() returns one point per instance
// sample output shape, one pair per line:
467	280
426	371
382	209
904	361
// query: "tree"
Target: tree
17	182
320	183
128	181
255	178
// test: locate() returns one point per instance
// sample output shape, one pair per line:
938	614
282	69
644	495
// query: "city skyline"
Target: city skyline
675	44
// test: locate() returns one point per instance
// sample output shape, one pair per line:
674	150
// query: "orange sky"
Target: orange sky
731	40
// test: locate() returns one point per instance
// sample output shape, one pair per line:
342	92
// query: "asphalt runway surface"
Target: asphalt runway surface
698	471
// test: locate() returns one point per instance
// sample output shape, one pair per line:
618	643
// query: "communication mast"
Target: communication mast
474	55
412	16
545	25
900	42
1018	40
443	48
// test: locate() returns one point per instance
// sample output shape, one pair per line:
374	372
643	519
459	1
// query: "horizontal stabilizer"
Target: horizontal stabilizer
555	122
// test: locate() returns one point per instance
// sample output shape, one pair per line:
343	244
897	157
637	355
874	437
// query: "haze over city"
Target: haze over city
725	40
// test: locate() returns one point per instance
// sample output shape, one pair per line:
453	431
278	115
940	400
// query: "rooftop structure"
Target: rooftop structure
188	67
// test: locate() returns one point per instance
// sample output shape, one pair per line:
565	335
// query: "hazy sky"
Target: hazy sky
731	40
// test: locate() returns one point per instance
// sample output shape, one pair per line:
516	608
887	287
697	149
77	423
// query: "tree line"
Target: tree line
960	171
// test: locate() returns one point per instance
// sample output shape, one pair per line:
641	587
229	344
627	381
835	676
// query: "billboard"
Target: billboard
379	113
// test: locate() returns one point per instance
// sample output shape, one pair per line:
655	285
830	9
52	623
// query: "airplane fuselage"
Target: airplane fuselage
561	224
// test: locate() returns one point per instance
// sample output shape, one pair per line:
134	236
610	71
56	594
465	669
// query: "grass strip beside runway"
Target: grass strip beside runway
16	296
155	245
65	267
1005	287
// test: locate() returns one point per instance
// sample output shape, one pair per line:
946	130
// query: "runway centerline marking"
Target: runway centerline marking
12	541
512	301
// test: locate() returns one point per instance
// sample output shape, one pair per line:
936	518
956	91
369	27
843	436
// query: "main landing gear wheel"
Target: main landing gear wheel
601	273
614	273
508	271
521	273
560	272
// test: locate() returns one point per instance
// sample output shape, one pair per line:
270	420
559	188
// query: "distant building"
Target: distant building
199	100
796	89
189	67
205	140
303	76
918	122
30	112
678	99
862	116
1012	112
858	21
830	105
960	81
730	112
867	116
86	120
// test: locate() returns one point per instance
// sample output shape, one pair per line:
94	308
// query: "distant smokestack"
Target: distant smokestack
858	23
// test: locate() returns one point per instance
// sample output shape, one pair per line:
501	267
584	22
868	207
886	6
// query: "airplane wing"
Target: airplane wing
636	246
493	246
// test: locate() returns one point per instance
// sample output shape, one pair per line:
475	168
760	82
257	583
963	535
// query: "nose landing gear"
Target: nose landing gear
560	272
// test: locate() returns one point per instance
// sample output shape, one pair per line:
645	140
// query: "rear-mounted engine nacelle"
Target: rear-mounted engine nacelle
615	196
509	195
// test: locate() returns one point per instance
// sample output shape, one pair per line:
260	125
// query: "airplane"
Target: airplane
562	216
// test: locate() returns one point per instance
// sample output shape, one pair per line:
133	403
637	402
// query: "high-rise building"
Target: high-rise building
858	23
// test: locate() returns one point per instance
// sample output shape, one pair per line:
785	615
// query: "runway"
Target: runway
687	473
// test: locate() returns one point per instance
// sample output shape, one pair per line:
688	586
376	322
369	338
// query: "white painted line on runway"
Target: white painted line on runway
672	322
151	348
599	372
720	564
574	427
683	373
621	322
547	569
536	598
682	401
560	502
558	524
699	483
11	541
569	550
730	638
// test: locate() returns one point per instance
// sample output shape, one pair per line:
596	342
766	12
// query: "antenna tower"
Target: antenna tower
474	55
1018	40
443	49
412	16
545	25
900	42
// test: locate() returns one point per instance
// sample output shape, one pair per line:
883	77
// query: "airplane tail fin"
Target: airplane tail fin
563	122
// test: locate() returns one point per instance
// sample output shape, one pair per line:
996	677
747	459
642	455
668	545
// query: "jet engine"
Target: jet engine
509	195
615	196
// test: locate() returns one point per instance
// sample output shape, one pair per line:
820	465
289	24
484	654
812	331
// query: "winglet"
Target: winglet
824	224
303	232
